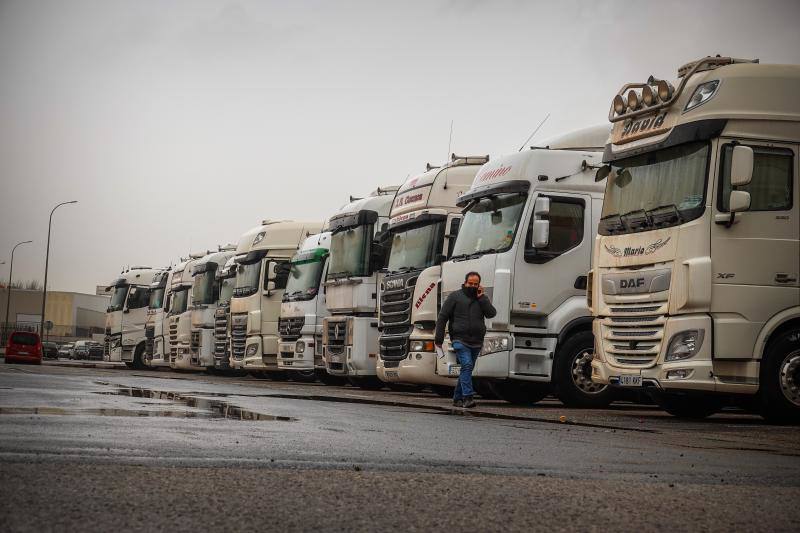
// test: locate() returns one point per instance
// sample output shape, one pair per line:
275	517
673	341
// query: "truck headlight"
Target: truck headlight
300	347
251	350
422	346
702	94
495	344
685	344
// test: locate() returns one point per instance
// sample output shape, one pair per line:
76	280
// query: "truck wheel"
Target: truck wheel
572	374
329	379
780	379
366	382
443	391
682	406
520	392
484	389
276	375
138	358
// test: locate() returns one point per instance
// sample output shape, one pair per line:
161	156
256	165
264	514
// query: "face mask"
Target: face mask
472	292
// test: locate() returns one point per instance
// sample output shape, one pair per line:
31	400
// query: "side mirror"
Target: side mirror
739	201
541	207
541	233
270	286
272	270
741	168
602	173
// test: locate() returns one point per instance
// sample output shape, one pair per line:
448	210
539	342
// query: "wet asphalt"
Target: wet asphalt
102	448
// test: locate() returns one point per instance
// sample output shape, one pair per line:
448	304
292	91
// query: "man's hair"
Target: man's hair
466	278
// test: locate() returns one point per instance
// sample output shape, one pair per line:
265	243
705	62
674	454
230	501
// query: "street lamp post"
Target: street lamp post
47	260
8	288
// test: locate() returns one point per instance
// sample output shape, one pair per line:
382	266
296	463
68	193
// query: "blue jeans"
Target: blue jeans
466	357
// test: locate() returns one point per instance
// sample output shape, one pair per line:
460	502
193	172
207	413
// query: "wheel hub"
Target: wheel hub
582	373
790	377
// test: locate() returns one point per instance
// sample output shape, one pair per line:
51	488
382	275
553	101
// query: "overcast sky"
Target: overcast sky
180	124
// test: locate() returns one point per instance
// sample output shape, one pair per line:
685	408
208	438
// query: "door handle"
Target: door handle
781	277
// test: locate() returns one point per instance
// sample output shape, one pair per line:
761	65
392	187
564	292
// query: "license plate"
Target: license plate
453	370
392	374
630	381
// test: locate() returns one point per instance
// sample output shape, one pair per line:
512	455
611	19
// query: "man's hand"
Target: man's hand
480	291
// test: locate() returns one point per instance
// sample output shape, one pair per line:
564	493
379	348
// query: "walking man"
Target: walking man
464	312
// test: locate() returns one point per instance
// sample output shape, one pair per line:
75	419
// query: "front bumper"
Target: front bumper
290	359
418	367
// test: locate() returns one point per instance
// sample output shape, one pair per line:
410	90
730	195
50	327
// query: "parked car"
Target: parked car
50	350
87	350
66	350
95	351
24	347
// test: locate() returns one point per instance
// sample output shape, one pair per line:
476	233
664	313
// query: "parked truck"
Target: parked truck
206	291
226	279
694	286
126	316
303	309
179	317
358	253
261	278
156	328
528	230
423	225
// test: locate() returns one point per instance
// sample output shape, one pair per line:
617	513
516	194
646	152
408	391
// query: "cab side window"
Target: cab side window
566	230
282	269
771	187
138	297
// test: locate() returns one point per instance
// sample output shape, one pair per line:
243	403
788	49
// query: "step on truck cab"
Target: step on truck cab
179	317
422	229
205	299
528	230
226	280
358	253
261	276
156	327
695	287
303	309
126	316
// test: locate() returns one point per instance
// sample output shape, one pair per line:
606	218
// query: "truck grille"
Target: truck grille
634	333
149	342
290	328
173	338
395	321
238	338
107	343
221	335
337	335
194	346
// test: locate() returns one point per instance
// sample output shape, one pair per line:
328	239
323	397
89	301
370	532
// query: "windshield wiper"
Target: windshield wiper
634	222
613	223
673	213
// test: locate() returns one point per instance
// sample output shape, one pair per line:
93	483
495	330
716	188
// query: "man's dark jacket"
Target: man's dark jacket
465	315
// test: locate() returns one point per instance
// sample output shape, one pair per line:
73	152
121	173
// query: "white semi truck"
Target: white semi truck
303	310
694	286
206	290
156	327
226	280
528	229
179	318
423	225
261	278
126	316
358	253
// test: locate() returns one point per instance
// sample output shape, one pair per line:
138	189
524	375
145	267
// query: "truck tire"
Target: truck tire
693	406
366	382
138	358
484	389
303	376
443	391
572	374
780	379
520	392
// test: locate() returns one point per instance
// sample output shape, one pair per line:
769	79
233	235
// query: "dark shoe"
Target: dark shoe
468	402
458	403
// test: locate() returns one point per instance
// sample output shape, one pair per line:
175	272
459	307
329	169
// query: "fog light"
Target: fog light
300	347
681	373
419	356
251	349
619	105
649	96
685	344
665	90
633	100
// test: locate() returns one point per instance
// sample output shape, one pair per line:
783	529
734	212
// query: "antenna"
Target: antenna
534	132
449	147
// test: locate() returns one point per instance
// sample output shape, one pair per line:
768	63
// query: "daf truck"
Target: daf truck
528	230
261	277
423	225
179	318
303	309
358	253
226	280
156	328
695	284
206	291
126	316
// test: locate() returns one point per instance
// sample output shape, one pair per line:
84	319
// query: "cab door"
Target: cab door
756	258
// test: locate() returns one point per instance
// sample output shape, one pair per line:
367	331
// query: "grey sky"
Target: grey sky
179	125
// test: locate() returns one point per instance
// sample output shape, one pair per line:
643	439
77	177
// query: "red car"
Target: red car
24	347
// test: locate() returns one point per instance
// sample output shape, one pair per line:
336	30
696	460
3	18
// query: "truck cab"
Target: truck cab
179	318
155	333
694	287
261	276
303	309
226	280
126	316
423	225
528	230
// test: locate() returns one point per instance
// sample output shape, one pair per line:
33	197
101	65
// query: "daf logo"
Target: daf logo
631	283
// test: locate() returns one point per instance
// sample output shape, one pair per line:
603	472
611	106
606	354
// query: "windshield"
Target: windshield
489	225
415	248
350	252
247	279
226	289
156	298
203	288
655	190
118	298
304	277
180	299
